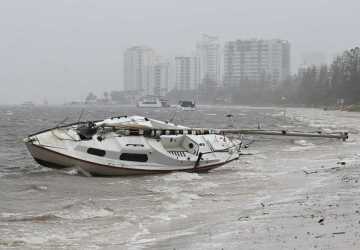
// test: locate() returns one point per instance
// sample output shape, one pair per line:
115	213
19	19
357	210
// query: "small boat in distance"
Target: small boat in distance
152	102
187	105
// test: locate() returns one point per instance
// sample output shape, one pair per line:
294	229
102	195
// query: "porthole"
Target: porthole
134	157
96	151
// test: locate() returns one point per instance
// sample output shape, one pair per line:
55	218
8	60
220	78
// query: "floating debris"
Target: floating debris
242	218
310	172
336	233
341	163
321	221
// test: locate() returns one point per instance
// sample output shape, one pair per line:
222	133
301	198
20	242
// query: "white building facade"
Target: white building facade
187	73
256	61
208	51
161	76
139	63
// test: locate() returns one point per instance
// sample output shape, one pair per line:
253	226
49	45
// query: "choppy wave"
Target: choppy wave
164	237
301	145
72	171
82	211
182	176
174	197
17	217
85	213
304	143
207	185
36	187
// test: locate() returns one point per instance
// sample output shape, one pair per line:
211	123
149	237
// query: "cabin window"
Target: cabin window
135	145
134	157
96	151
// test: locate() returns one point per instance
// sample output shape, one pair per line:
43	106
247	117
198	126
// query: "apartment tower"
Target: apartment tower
255	60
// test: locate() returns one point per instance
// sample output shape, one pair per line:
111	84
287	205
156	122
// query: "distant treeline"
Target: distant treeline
337	83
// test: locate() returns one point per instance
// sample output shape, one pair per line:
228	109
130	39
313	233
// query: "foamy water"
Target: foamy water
271	198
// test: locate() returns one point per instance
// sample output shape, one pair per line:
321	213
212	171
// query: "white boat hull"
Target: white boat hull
52	159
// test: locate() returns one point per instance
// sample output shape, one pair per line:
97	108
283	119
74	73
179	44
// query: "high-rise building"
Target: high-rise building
187	73
256	61
208	51
161	78
139	63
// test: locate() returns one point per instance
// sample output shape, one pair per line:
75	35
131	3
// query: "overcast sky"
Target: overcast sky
62	49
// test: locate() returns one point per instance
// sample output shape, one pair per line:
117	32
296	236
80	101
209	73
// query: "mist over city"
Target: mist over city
178	124
75	47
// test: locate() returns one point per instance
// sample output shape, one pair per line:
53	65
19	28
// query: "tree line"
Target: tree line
334	84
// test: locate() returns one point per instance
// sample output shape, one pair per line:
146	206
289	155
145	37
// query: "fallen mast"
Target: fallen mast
153	132
319	134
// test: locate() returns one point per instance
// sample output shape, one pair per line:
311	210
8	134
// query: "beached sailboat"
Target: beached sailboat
128	145
131	145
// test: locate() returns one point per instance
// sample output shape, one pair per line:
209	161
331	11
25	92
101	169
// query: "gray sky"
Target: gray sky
62	49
